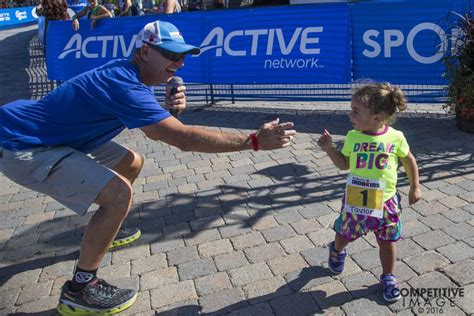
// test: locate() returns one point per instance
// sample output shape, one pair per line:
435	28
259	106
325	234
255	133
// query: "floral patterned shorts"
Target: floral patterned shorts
352	226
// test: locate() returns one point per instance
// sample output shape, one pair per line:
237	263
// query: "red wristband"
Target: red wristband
253	138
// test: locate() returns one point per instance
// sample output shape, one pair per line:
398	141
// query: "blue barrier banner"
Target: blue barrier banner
289	44
17	16
403	43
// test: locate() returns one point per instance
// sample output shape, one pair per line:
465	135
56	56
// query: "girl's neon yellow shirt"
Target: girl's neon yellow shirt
375	156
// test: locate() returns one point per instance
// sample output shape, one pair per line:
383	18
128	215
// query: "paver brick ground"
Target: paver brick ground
243	233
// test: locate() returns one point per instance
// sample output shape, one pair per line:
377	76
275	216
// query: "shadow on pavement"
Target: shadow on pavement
442	152
293	298
180	216
23	63
49	312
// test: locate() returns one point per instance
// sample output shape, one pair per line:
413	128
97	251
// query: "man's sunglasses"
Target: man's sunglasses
174	57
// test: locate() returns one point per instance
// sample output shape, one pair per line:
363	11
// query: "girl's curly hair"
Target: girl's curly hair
381	98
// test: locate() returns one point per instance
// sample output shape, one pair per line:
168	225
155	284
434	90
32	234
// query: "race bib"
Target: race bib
364	196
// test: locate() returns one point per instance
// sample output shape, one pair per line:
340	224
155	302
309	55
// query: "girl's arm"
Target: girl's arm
338	159
411	169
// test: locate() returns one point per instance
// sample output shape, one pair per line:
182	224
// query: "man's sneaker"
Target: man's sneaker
336	259
391	291
97	298
125	236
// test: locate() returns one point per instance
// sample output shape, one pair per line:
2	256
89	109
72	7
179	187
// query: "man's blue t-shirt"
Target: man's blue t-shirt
84	112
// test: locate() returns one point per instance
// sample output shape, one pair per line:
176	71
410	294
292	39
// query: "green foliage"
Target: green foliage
460	66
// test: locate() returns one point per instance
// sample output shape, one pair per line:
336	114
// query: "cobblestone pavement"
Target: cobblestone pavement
243	233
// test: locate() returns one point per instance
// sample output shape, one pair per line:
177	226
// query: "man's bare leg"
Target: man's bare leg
130	166
109	219
114	200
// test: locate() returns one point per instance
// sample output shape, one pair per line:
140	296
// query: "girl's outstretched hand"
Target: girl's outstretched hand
325	141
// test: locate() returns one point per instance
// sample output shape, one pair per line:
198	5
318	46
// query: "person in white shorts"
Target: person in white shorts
62	146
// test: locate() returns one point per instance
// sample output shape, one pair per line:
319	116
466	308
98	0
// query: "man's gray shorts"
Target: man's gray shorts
71	177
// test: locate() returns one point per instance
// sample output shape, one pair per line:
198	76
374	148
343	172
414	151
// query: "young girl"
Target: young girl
371	202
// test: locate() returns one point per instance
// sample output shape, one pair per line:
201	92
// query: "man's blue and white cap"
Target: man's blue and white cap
166	36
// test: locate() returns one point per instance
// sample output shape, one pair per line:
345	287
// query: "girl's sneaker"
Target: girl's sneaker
391	291
336	259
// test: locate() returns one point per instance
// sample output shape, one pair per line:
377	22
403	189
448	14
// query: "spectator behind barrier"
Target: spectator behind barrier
125	8
39	8
218	4
94	12
111	7
136	8
139	4
149	7
194	5
171	6
54	10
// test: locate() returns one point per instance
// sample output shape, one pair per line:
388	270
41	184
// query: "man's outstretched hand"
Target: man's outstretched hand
274	135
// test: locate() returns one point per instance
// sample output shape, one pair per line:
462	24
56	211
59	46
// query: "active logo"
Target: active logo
79	46
267	42
302	41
